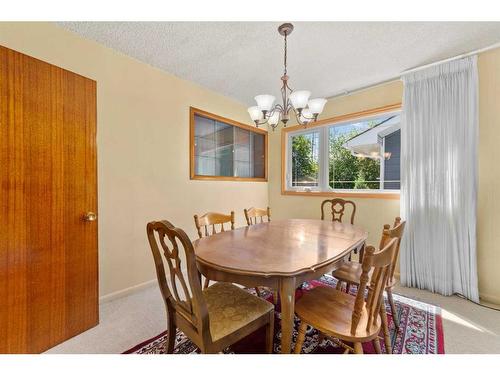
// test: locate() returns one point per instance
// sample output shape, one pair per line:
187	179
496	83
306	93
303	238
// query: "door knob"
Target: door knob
90	216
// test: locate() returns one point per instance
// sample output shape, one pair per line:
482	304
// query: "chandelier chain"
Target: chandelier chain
285	54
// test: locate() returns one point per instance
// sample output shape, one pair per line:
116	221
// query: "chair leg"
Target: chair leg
395	317
358	348
172	330
257	291
385	329
275	297
348	288
205	285
301	337
270	334
321	337
339	285
376	345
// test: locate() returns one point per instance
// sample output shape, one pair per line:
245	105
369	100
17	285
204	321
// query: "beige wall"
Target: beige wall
488	231
371	214
143	156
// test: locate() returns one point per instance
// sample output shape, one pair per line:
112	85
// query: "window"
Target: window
360	155
223	149
305	159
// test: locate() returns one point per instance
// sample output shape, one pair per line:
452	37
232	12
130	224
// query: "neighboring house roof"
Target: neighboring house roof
368	142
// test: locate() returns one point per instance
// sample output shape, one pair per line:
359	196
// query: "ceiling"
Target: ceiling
243	59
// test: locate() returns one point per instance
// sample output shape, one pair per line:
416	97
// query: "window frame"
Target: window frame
324	189
193	176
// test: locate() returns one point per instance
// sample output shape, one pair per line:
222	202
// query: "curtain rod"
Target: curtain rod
397	78
461	56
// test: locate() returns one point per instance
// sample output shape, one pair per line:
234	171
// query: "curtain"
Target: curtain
439	136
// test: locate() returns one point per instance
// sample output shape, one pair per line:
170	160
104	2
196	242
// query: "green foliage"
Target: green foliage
304	167
346	167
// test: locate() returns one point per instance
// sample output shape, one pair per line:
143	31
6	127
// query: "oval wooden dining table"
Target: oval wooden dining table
280	254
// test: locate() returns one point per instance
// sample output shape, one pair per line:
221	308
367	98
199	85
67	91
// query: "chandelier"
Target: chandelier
297	102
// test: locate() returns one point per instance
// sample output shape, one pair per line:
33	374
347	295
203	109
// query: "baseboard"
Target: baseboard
127	291
489	299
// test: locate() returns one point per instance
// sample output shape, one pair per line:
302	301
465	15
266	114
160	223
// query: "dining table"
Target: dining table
281	255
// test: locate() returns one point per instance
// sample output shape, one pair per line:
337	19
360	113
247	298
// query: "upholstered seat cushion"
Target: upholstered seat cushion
330	311
231	308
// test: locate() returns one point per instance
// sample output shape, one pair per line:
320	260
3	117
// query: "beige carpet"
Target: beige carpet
127	321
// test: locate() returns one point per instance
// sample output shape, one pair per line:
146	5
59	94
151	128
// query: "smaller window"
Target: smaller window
223	149
305	160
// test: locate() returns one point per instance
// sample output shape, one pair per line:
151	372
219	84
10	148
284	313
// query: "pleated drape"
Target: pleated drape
439	136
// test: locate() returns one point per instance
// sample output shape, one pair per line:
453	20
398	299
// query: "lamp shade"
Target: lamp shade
316	105
274	119
265	102
255	113
299	98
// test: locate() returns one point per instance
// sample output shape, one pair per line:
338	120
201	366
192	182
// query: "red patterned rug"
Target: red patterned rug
420	332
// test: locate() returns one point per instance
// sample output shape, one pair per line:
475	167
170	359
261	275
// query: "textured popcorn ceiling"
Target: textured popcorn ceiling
243	59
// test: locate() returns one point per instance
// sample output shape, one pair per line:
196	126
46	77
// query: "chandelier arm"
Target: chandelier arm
278	107
260	122
299	121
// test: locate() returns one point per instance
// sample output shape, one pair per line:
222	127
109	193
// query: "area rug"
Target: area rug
420	331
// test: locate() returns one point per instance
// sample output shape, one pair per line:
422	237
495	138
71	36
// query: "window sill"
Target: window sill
333	194
228	178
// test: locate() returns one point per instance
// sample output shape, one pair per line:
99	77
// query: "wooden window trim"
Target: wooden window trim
332	121
196	111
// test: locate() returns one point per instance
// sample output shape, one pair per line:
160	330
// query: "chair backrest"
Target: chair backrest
338	206
253	214
387	234
188	303
210	220
381	263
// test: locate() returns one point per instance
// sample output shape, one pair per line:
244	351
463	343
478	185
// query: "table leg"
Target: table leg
287	296
361	253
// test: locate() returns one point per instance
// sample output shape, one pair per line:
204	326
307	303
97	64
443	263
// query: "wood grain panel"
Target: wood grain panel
48	253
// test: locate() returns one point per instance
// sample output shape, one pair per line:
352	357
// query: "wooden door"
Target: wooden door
48	251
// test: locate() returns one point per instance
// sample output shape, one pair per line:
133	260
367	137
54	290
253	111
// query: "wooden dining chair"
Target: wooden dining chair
349	318
206	225
214	318
252	215
350	272
338	209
